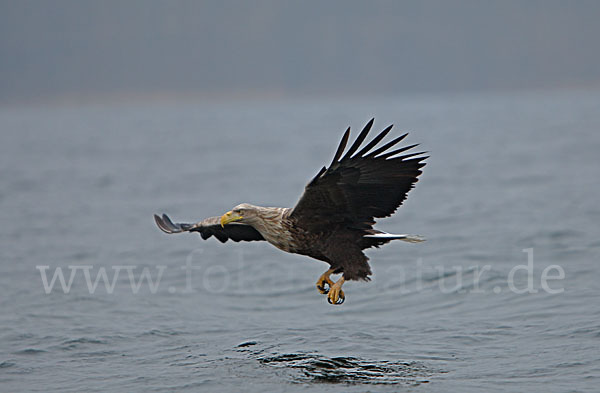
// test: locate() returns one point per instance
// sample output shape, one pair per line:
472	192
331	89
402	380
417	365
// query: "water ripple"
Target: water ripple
349	370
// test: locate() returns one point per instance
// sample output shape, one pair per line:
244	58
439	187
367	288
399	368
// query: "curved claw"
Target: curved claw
336	298
323	289
324	283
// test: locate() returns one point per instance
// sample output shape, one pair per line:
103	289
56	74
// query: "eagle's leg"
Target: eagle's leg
324	279
336	295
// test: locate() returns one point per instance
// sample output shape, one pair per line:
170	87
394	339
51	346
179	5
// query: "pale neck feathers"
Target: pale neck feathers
269	221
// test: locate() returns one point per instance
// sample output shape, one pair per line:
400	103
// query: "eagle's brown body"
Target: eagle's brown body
333	220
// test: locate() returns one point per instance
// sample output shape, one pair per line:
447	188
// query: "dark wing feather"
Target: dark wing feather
359	140
356	189
210	227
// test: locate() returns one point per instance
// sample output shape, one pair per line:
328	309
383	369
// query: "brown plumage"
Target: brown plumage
333	220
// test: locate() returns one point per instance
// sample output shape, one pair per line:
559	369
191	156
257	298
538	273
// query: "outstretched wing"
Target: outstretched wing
211	227
360	186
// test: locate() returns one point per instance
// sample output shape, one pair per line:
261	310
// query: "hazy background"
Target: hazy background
51	49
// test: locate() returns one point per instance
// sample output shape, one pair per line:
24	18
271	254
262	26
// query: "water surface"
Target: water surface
79	184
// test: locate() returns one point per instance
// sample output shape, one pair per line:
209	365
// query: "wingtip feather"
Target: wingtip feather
341	147
385	147
359	140
161	224
375	141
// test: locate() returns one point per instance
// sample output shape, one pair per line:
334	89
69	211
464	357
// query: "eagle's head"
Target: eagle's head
244	212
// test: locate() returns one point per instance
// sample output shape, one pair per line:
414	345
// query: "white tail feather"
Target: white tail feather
403	237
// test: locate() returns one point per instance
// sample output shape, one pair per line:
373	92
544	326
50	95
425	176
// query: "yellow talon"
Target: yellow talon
336	295
324	279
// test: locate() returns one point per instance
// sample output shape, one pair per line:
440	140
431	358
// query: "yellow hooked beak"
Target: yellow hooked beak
229	217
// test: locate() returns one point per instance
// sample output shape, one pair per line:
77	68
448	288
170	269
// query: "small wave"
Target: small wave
161	332
30	351
79	342
83	340
246	344
349	370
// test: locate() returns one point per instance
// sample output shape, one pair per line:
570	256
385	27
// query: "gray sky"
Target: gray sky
62	48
